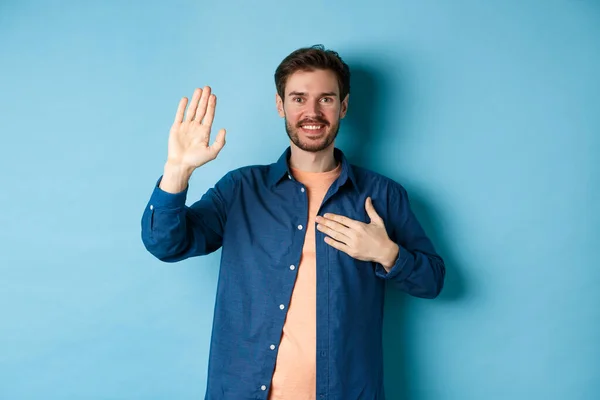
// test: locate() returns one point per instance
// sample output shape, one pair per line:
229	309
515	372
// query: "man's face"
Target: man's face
312	109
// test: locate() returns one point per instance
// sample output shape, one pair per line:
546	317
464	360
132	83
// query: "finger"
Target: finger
328	226
371	211
338	245
210	111
218	143
350	223
201	110
339	236
180	110
191	111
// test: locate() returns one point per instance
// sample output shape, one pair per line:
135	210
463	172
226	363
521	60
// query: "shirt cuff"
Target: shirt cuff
165	200
401	268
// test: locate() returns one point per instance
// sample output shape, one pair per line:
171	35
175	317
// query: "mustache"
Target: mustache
319	121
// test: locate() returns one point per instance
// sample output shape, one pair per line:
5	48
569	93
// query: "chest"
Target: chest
273	224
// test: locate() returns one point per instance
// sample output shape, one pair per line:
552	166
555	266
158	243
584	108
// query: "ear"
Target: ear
279	104
344	106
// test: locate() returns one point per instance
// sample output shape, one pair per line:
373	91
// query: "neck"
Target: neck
321	161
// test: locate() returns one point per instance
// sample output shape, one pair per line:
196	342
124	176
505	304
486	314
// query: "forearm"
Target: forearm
164	224
171	231
417	273
418	269
389	255
175	178
164	234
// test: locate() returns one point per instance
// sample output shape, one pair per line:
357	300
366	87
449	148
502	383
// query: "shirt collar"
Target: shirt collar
281	169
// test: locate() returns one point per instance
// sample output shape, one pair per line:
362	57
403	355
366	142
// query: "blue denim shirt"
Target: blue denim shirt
258	215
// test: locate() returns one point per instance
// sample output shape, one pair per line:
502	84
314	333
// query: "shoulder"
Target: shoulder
371	181
248	174
249	170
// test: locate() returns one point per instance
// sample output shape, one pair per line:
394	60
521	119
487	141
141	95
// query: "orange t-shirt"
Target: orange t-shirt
294	377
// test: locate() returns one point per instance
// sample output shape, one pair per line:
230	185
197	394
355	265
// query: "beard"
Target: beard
312	145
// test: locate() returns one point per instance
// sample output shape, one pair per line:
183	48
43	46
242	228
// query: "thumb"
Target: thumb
219	142
371	211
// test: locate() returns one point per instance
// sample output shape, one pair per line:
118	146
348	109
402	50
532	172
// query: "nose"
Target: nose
313	108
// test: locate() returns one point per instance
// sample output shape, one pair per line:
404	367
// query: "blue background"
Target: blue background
489	115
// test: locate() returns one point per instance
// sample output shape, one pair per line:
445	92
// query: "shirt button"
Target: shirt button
299	227
272	347
151	207
263	387
289	176
281	306
302	190
292	267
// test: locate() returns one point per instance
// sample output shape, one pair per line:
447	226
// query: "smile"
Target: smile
312	127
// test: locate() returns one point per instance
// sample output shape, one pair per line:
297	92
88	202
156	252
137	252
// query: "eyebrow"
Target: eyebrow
321	95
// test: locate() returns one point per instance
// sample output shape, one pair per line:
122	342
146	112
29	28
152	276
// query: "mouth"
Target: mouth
313	129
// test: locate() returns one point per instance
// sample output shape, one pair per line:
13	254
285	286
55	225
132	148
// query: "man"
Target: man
308	243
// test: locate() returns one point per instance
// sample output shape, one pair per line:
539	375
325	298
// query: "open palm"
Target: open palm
190	134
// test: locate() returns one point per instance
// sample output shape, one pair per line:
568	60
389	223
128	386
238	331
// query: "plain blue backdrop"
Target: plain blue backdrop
489	115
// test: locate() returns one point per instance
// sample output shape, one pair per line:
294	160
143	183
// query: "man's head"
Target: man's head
313	87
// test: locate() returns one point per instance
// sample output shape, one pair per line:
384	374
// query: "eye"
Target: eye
326	99
297	99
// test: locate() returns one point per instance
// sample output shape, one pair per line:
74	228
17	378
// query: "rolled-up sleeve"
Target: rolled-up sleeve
418	270
172	231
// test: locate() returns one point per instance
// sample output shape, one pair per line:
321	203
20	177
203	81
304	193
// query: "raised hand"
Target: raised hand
188	140
190	134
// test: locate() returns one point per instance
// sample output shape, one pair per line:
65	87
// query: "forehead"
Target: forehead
312	82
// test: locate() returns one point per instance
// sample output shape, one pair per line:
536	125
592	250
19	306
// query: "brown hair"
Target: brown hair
309	59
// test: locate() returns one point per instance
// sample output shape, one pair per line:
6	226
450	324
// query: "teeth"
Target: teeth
312	127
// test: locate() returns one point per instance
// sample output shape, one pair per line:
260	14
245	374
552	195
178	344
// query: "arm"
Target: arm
416	268
172	231
398	247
